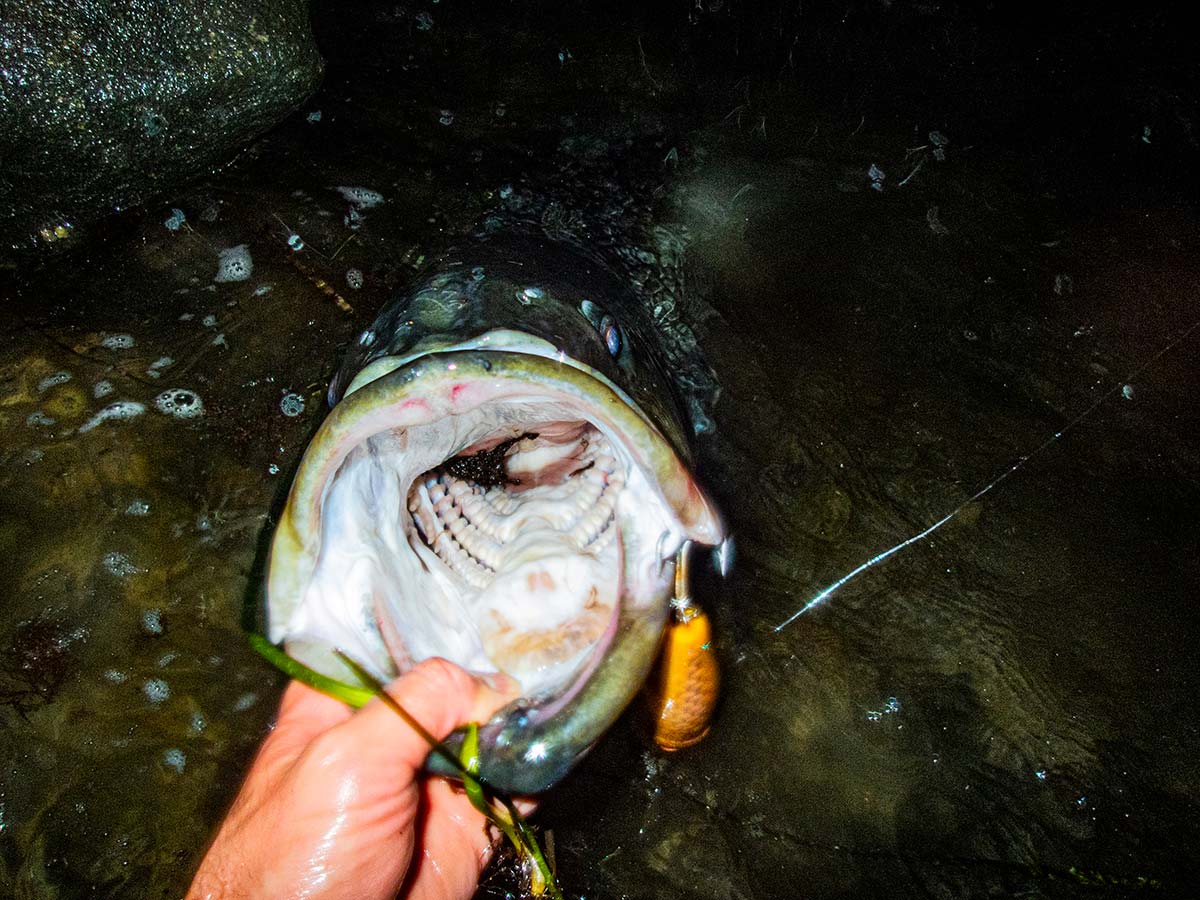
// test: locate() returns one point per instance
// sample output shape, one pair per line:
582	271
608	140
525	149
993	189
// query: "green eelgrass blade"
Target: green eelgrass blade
529	845
351	695
470	761
474	790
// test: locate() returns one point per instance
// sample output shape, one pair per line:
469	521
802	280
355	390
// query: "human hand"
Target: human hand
335	805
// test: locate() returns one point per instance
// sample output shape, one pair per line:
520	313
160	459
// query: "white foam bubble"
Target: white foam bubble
291	405
156	690
53	381
152	621
180	403
234	264
176	759
121	411
39	418
102	389
161	363
120	565
361	197
354	278
117	341
137	508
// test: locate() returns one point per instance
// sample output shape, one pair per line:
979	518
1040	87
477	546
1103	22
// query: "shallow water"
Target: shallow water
1004	708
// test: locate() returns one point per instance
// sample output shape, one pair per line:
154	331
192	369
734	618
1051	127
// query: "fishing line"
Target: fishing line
880	557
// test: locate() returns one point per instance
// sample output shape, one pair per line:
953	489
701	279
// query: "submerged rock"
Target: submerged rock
104	103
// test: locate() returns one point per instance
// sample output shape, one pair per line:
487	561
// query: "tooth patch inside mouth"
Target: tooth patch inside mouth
534	546
473	528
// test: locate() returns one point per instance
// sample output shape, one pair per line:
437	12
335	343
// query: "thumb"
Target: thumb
440	696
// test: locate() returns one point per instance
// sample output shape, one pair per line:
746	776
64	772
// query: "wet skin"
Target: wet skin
335	804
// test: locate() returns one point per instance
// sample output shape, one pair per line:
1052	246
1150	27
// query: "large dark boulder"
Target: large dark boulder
104	103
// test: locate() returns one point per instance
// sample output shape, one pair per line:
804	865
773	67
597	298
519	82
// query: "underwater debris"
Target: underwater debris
361	197
935	222
891	707
34	665
940	143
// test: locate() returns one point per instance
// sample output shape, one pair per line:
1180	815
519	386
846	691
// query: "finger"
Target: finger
305	712
454	845
439	695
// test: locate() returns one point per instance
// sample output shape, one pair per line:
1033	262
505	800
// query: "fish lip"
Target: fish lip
438	384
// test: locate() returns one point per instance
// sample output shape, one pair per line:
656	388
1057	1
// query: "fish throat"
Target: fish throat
527	527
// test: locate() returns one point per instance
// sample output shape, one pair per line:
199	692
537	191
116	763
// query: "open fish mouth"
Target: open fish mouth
508	509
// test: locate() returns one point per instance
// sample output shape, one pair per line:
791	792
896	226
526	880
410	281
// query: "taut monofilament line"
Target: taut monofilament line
875	560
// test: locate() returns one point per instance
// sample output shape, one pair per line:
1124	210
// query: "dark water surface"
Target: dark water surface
1005	708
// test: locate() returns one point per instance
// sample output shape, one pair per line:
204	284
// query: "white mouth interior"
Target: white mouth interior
497	538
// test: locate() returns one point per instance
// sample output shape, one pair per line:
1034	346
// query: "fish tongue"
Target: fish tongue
545	608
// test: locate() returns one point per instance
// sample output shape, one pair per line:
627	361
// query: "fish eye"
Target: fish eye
611	334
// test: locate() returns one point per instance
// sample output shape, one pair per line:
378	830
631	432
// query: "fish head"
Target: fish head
503	482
